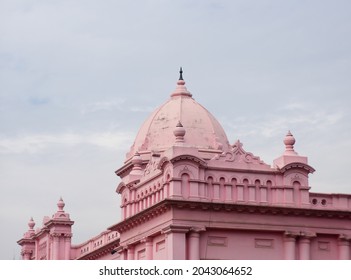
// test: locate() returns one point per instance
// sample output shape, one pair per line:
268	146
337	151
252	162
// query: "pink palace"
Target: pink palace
187	194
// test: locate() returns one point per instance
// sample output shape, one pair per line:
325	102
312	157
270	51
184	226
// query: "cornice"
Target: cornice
141	217
262	209
259	209
126	168
298	165
193	158
244	170
23	241
59	222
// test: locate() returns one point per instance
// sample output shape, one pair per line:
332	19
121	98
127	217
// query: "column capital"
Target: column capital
175	229
55	234
120	249
305	238
343	237
146	239
307	235
290	235
197	229
26	252
130	246
343	240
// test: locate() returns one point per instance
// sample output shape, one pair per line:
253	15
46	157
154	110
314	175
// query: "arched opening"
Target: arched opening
296	186
209	187
185	186
222	188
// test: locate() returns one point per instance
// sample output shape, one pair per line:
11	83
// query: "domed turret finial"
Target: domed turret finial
31	223
179	132
137	162
60	205
289	142
181	74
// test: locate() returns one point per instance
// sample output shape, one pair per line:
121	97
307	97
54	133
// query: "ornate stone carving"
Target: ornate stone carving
239	155
152	165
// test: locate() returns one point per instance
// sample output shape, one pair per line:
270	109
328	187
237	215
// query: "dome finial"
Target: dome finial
60	205
181	74
289	142
179	133
181	89
31	223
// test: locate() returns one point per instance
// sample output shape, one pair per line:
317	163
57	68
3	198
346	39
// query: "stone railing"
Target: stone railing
330	201
94	243
225	192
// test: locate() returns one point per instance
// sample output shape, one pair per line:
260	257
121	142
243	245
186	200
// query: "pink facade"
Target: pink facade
186	193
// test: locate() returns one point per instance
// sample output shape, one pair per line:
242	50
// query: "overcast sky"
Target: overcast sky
78	77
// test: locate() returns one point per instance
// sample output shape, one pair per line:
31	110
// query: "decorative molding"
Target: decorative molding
239	155
26	252
120	187
218	241
264	243
163	161
124	170
297	165
192	158
101	251
323	245
151	166
175	229
141	217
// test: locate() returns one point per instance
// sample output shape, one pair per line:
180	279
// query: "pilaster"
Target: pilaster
194	243
344	247
305	245
290	246
176	242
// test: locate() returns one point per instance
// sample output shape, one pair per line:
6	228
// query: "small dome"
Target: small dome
203	131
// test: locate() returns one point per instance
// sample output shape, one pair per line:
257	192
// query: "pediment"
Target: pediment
237	154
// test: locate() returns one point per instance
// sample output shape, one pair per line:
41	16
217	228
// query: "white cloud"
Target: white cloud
141	109
274	124
103	106
35	143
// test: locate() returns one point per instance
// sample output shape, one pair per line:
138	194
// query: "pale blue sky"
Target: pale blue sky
77	79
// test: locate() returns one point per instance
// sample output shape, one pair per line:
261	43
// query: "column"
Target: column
148	248
344	247
194	243
67	255
130	252
176	242
55	246
26	254
166	190
304	248
289	246
122	251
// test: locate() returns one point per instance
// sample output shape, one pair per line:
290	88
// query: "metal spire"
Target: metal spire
181	74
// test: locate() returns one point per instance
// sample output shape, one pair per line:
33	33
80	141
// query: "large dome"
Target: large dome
203	131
